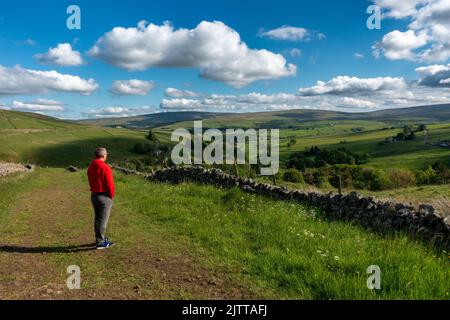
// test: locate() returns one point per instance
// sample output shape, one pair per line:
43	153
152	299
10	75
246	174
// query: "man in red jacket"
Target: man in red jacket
101	182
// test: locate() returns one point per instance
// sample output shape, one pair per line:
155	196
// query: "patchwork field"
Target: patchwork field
359	136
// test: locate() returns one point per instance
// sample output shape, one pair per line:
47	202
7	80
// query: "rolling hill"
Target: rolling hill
281	119
432	113
15	120
46	141
150	120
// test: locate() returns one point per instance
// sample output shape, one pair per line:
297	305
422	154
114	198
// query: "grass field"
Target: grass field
49	142
21	120
191	241
360	136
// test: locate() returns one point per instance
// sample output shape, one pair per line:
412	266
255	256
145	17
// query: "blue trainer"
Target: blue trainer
105	245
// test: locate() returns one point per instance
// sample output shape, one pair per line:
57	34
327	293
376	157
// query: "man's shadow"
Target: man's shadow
66	249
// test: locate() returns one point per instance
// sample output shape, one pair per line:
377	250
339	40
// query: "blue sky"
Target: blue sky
361	69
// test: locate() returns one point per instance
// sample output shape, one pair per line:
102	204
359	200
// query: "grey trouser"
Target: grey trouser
102	207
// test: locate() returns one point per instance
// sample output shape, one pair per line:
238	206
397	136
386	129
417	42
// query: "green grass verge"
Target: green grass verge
67	146
282	248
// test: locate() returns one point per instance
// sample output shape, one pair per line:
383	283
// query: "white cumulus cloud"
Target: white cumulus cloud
176	93
352	101
427	38
181	104
61	55
345	84
21	81
213	47
289	33
400	9
398	45
36	105
357	103
118	112
434	75
132	87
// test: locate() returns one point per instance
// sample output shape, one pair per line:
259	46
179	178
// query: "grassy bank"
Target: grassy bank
283	248
66	146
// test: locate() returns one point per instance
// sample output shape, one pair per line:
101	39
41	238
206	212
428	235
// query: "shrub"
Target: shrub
308	177
362	158
139	165
320	179
339	156
151	136
444	176
143	148
439	166
293	175
401	178
346	177
427	176
317	158
358	177
291	142
376	180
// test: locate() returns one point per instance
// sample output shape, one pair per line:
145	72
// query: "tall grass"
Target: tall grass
283	249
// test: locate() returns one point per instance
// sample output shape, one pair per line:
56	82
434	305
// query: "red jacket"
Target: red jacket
101	178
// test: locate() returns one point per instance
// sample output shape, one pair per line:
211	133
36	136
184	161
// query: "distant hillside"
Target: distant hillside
46	141
438	113
280	119
431	113
151	120
28	120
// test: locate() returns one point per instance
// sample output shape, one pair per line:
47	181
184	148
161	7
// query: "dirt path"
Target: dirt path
50	228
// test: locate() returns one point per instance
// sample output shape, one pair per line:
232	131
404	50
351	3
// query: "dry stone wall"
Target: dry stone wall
10	168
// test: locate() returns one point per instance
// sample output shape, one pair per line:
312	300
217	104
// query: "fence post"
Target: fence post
236	171
340	184
274	180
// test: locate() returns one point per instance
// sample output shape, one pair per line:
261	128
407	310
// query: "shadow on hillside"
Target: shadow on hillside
165	119
67	249
80	152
